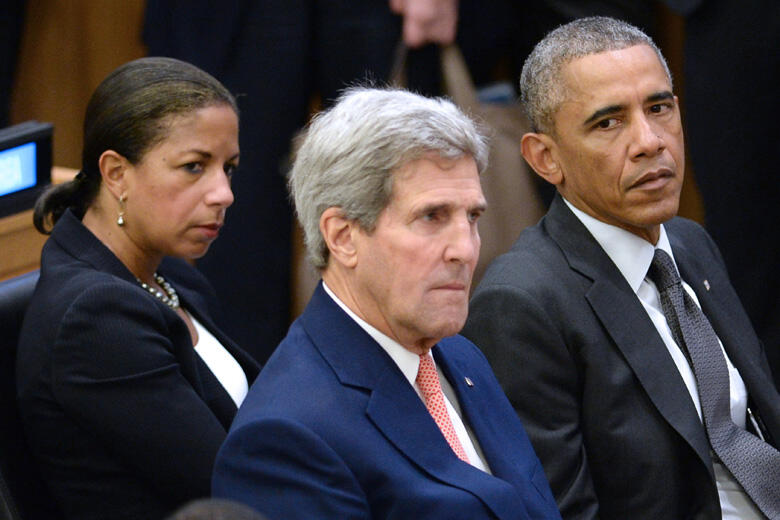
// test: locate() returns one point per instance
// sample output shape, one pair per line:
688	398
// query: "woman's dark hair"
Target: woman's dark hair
128	113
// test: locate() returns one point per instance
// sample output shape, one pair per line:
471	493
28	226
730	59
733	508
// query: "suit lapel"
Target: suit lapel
200	375
498	442
393	406
731	332
733	328
407	425
195	305
613	301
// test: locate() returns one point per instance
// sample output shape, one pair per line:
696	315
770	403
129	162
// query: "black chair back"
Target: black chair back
23	495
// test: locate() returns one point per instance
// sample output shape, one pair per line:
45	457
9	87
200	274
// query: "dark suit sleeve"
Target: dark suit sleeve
539	374
285	470
115	374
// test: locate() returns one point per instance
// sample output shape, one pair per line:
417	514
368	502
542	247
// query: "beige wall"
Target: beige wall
67	48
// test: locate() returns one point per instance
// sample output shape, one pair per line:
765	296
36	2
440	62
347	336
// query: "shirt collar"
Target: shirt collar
630	254
408	362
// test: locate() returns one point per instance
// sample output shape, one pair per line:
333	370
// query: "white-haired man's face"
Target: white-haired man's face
413	272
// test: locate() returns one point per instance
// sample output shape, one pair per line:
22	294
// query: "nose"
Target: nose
463	242
647	140
220	193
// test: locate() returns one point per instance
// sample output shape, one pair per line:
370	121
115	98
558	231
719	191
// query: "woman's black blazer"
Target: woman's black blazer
123	416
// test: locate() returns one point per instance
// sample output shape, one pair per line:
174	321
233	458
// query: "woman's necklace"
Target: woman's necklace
170	298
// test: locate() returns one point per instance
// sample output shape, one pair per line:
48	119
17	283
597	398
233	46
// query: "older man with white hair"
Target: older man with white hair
373	406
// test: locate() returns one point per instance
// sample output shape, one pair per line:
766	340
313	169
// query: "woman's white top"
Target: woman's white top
221	363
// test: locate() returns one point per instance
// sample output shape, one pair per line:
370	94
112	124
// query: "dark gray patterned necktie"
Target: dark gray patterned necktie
754	463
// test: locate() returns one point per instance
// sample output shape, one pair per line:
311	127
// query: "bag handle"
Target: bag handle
456	78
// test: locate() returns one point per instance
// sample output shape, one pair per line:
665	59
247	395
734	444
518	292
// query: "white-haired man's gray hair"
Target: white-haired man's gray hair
350	151
541	86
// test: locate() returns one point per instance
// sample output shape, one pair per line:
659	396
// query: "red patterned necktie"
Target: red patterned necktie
428	382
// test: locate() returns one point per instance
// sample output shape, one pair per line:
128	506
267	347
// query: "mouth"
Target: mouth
453	286
211	230
654	179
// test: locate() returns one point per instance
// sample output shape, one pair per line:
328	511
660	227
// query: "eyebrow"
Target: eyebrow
482	206
433	208
663	95
598	114
207	155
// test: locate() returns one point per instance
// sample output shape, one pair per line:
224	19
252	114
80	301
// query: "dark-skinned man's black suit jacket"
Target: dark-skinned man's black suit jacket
598	393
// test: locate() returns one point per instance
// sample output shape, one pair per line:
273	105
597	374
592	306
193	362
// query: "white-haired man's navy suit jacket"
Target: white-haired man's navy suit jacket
332	429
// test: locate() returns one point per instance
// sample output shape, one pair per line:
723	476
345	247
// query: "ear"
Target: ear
539	151
338	234
113	167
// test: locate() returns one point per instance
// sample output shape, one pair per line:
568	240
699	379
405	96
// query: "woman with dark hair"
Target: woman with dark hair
126	386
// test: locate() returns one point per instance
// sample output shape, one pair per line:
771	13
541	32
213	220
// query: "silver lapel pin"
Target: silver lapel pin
468	381
707	284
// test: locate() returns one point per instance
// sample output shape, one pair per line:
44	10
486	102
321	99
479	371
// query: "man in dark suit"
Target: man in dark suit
372	406
625	394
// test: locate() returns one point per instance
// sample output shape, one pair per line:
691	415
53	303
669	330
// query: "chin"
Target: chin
450	327
193	253
657	212
201	253
665	212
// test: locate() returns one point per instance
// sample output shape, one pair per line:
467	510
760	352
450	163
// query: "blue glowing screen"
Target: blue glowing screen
17	168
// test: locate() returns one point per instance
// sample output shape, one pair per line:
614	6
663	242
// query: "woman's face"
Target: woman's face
177	194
